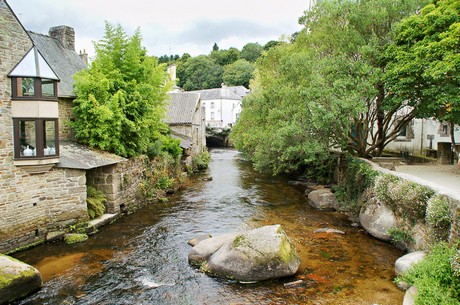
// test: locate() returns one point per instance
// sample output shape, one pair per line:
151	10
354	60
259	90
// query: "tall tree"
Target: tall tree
424	63
325	90
121	97
251	51
200	72
238	73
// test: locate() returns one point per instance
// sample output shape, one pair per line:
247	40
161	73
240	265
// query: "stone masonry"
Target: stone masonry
31	206
119	183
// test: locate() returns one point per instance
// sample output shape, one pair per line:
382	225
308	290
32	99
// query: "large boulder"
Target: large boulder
260	254
323	199
404	263
376	218
17	279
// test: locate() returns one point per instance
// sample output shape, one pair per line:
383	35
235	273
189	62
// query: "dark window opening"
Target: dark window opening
34	88
35	138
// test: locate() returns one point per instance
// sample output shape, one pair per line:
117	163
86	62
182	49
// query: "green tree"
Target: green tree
215	47
325	90
251	51
225	57
238	73
424	63
121	97
200	72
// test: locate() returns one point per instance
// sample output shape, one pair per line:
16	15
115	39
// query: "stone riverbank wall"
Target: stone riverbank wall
420	211
120	183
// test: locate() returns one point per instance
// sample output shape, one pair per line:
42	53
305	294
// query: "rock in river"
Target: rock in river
17	279
259	254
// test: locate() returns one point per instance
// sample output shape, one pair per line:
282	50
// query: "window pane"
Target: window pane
27	138
47	87
26	86
49	138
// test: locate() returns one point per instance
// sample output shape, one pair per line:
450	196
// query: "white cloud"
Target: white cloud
168	27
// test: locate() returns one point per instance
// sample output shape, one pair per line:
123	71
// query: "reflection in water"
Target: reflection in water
142	258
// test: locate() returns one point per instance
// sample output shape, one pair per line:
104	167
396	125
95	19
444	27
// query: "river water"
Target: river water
142	257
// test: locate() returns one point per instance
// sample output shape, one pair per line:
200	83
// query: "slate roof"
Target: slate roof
64	62
217	94
77	156
181	107
239	90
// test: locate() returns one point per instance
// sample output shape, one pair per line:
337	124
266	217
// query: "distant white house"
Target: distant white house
222	105
422	136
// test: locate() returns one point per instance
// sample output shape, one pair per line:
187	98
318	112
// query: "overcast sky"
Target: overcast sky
168	27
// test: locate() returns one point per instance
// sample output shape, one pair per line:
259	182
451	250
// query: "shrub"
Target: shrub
201	161
434	277
400	235
404	197
359	176
439	217
95	202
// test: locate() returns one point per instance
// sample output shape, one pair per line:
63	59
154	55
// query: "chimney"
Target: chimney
84	57
65	34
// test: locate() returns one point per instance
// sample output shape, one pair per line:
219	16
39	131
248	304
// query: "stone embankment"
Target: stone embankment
412	226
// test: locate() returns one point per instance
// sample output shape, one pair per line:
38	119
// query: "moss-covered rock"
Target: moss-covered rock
260	254
73	238
17	279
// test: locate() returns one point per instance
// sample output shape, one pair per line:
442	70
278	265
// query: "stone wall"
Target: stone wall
65	117
367	197
33	206
120	183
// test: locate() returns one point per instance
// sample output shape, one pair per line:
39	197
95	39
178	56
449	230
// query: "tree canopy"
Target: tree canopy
121	97
424	62
238	73
326	89
200	72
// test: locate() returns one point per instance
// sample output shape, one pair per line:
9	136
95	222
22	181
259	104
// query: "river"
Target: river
142	257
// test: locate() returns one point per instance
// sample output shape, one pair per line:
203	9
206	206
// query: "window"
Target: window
212	104
34	88
212	115
35	138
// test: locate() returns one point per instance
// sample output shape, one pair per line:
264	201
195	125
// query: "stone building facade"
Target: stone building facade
31	205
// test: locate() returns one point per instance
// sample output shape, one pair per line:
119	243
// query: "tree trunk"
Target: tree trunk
380	120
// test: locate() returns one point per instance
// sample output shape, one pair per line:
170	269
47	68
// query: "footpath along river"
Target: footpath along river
142	257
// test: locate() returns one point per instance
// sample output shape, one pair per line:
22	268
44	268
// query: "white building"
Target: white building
222	106
421	136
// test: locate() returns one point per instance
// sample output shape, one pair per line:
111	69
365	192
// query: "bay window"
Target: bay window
35	138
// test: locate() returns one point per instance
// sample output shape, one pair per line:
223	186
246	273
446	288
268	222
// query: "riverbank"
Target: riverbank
143	256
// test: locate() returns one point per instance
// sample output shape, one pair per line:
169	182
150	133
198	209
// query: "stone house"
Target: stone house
222	106
427	137
185	117
44	175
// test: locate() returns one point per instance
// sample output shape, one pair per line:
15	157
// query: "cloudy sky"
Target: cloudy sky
168	27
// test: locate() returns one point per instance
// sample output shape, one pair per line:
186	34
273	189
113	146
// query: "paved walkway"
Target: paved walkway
446	176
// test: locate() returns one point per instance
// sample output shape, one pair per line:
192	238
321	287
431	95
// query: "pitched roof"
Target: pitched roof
181	107
217	94
239	90
77	156
64	62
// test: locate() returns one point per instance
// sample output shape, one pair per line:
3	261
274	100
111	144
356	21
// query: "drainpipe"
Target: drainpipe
421	139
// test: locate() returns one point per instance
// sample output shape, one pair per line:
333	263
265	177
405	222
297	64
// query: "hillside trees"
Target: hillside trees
424	63
121	97
238	73
325	90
